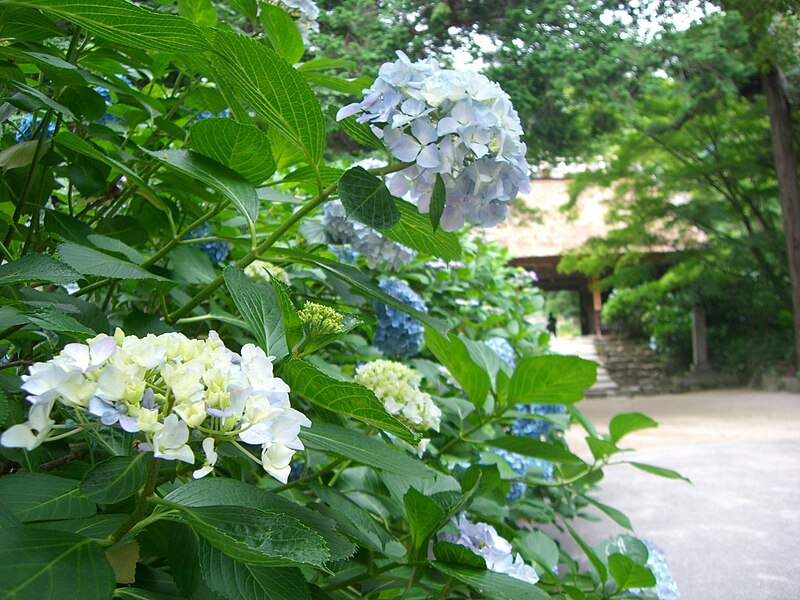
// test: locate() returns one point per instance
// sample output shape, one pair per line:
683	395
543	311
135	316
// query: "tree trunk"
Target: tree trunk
780	122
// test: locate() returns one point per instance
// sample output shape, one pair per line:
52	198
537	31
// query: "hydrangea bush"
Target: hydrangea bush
198	399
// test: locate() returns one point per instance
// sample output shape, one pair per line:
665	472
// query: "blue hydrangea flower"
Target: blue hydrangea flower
216	251
503	349
375	247
27	126
106	95
535	428
344	253
398	334
523	465
208	115
665	588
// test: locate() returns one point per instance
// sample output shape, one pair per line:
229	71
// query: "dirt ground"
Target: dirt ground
735	533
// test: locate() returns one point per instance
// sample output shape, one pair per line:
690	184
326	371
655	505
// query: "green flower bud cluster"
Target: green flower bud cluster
321	319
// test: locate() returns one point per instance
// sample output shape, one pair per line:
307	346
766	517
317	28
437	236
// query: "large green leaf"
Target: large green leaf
127	24
551	380
219	491
256	536
456	553
52	565
493	586
625	423
275	90
536	448
115	479
356	446
243	581
282	33
201	12
260	308
218	177
359	282
452	352
343	397
243	148
37	267
91	262
367	199
51	319
40	497
424	517
628	574
98	527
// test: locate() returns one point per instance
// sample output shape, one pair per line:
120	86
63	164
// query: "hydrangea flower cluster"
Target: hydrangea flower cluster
260	271
535	428
109	118
666	588
397	386
207	114
503	349
456	124
216	251
321	319
524	465
167	388
27	126
305	14
483	540
398	334
374	246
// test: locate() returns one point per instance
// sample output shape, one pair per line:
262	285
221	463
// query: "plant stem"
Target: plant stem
313	476
141	506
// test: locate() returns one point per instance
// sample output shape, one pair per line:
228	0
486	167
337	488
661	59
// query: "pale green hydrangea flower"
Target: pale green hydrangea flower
397	386
260	270
321	319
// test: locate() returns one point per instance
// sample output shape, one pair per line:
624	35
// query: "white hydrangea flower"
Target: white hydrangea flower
260	270
457	124
397	386
162	387
483	540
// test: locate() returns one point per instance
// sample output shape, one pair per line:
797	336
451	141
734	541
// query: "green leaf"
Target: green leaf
219	491
201	12
360	132
91	262
438	197
234	579
628	574
490	585
424	517
131	593
249	8
83	101
625	423
352	520
115	479
457	554
452	352
276	91
127	24
601	448
37	267
536	448
218	177
538	547
551	380
367	199
360	282
356	446
3	408
338	84
292	324
343	397
51	565
315	341
110	244
259	307
51	319
594	559
616	515
414	230
191	265
98	527
40	497
73	142
256	536
660	471
27	24
282	33
18	155
243	148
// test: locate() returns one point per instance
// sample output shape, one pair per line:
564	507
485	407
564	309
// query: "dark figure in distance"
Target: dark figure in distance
551	324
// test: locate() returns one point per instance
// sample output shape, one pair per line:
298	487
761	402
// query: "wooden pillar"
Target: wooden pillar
699	340
587	320
597	305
